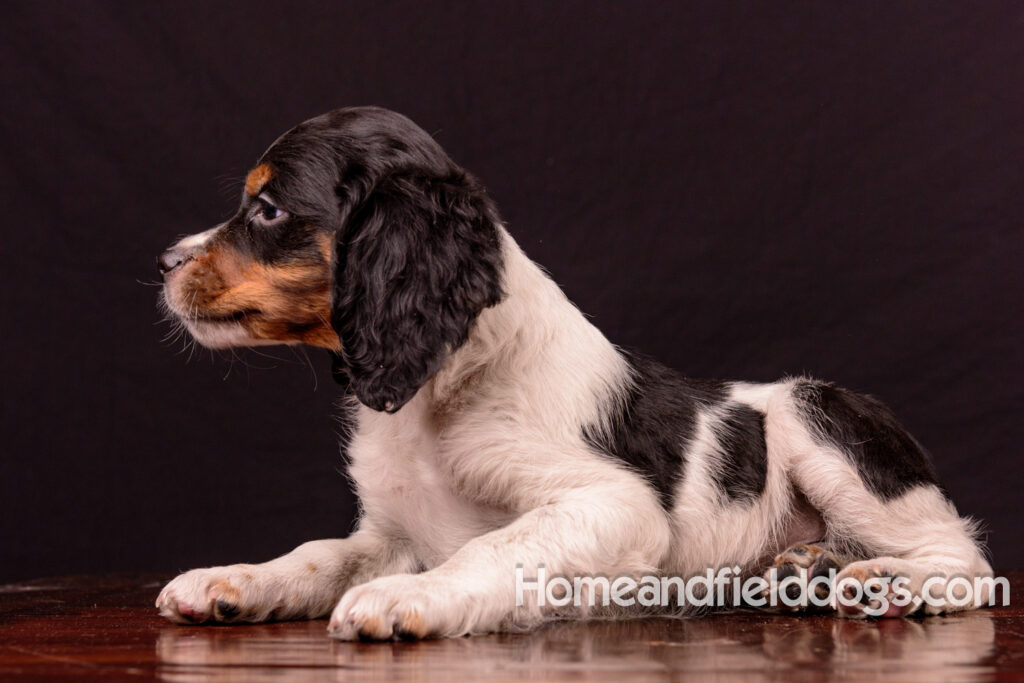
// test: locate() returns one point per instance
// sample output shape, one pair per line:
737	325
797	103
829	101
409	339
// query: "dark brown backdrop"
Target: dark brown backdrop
743	191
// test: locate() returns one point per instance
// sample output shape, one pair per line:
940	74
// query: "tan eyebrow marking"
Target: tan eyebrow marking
257	178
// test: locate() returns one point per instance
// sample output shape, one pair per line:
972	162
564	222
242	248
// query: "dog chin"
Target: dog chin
224	335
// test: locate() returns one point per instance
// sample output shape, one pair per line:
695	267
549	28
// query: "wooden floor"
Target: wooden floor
106	628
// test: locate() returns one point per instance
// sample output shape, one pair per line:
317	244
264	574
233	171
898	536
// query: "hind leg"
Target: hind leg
882	507
913	548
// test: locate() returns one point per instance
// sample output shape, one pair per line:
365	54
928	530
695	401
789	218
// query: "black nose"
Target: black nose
171	259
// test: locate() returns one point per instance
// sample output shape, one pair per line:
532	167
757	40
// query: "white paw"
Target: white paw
406	606
214	594
885	587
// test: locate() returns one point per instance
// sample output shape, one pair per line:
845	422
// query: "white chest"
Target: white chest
404	489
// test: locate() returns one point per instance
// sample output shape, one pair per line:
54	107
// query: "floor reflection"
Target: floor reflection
727	647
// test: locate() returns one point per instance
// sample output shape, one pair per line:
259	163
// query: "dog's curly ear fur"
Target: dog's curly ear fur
414	265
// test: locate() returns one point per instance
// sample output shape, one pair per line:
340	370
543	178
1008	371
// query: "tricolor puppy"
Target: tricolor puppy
496	427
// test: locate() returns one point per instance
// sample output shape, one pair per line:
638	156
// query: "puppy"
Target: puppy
496	428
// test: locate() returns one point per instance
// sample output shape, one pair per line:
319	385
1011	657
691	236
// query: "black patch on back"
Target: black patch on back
653	423
887	457
744	454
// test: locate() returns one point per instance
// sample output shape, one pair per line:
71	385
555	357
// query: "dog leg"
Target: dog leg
913	534
475	590
304	584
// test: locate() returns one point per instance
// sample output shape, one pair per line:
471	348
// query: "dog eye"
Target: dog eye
267	214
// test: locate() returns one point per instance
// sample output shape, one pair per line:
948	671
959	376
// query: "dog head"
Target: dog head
356	233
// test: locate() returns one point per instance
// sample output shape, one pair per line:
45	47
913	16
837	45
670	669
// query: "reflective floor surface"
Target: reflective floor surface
106	628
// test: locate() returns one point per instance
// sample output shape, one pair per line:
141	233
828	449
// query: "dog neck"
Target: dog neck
534	320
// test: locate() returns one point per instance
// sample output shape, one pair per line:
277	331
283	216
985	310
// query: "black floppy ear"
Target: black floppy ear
415	264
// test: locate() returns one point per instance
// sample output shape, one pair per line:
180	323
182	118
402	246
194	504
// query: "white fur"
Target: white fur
199	239
486	468
222	335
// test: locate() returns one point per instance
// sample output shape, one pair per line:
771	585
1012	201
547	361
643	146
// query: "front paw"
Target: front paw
217	594
402	606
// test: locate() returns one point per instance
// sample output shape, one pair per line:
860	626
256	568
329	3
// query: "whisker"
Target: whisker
296	351
230	184
268	356
250	366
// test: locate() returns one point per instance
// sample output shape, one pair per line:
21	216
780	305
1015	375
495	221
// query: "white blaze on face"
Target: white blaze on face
199	239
